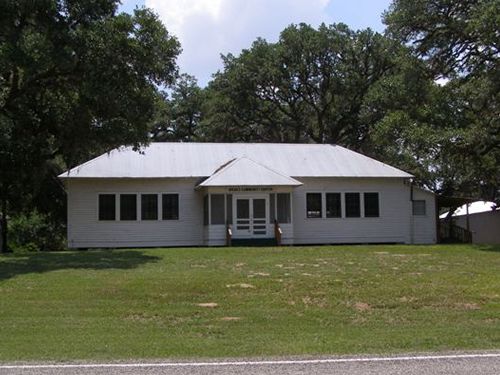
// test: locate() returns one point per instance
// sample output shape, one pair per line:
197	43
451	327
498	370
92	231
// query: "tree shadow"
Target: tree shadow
14	265
484	247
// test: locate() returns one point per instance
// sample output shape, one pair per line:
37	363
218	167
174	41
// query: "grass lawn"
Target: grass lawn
120	304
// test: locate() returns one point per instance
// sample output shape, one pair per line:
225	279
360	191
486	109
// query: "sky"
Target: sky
208	28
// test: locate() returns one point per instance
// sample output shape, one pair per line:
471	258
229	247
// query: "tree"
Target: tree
309	86
454	36
76	79
177	118
459	40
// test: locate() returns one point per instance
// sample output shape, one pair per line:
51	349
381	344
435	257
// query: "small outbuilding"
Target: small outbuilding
195	194
480	218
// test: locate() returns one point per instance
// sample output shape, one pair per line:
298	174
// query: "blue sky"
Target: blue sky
207	28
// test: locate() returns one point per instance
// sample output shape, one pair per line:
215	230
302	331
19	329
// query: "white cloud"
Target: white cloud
207	28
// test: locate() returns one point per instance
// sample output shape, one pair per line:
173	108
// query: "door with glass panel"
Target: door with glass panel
250	217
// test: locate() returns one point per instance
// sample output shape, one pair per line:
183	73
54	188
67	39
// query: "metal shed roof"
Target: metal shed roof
159	160
246	172
474	208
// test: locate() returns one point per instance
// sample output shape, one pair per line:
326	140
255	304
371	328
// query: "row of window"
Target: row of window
166	206
334	202
128	204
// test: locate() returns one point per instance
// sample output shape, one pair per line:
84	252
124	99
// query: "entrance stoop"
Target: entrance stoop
253	242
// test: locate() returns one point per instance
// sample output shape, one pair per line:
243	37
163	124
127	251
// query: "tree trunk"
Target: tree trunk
5	248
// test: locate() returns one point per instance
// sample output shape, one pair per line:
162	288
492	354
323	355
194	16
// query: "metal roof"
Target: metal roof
474	208
159	160
246	172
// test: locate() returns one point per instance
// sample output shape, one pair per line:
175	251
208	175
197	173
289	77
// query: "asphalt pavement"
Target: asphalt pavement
486	363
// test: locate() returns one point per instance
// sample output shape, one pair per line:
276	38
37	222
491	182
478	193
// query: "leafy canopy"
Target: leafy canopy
76	79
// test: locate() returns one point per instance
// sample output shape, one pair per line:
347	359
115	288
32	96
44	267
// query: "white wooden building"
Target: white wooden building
194	194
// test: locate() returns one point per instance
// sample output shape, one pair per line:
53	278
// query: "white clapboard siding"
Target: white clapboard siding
424	226
393	225
85	230
396	223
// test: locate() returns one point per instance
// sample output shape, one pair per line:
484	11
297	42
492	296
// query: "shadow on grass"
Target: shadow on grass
12	265
494	248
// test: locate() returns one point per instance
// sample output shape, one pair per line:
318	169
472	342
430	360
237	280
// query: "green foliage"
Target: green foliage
455	36
76	79
177	117
312	85
35	232
458	40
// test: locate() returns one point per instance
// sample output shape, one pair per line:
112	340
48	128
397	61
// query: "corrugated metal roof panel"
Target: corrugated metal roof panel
474	208
246	172
202	159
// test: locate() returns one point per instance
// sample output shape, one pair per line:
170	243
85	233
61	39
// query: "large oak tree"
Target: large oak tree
458	40
76	79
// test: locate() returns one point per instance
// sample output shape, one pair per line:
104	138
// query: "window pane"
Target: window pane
149	207
371	205
229	208
333	205
352	205
170	206
107	207
272	208
242	209
205	210
313	202
283	203
217	209
128	207
259	208
419	208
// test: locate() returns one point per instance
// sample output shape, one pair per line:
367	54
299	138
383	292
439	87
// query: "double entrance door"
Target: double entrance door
251	216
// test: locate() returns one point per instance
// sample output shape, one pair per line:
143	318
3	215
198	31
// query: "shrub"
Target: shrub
35	232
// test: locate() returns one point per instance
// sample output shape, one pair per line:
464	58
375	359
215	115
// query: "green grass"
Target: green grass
271	301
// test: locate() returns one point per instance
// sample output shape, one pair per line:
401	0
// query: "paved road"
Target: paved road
456	364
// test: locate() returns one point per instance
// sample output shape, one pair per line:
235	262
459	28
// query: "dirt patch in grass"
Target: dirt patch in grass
142	318
230	318
242	286
210	305
362	306
255	274
467	306
315	301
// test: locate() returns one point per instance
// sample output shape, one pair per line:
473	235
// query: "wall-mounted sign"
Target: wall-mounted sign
249	188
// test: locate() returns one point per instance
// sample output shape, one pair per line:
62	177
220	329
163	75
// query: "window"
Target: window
217	209
170	206
333	205
419	208
284	210
107	207
313	203
128	207
352	205
149	207
371	205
